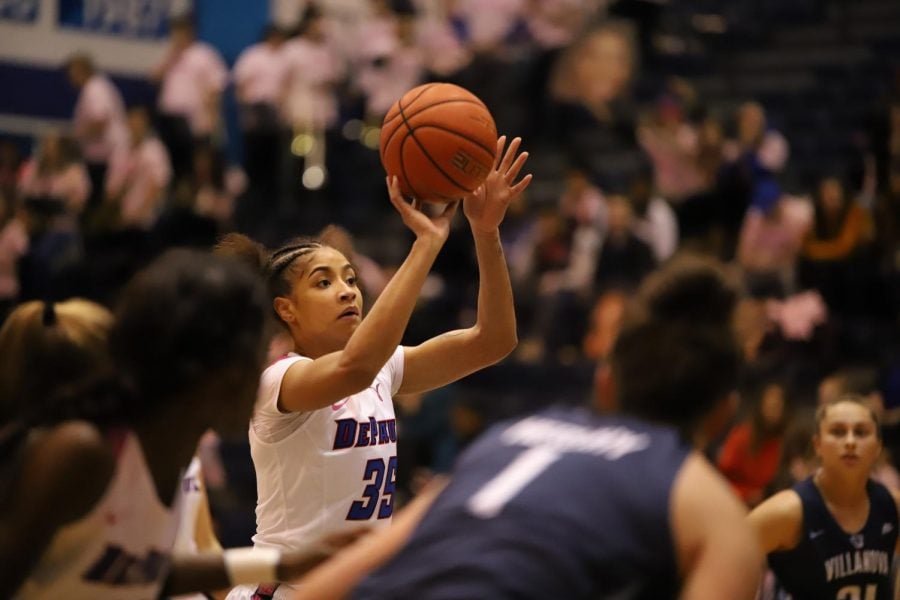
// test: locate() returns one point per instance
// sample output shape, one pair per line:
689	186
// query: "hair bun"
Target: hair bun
692	288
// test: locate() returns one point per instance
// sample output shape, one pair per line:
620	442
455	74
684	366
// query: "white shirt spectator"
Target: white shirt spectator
100	101
194	77
141	175
658	228
259	74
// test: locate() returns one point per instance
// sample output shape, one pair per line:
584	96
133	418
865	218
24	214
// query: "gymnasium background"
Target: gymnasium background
764	132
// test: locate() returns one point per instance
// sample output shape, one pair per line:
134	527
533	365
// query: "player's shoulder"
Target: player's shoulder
785	505
68	468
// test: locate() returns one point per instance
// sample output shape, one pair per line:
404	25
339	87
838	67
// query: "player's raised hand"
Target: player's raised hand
486	206
434	229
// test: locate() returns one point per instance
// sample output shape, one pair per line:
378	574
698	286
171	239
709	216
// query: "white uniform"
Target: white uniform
325	471
120	550
328	470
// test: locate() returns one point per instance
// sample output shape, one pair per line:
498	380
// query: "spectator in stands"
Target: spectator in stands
751	163
588	87
192	77
767	249
98	120
751	453
55	187
314	68
654	220
139	176
13	246
208	193
624	258
390	60
673	146
841	228
10	166
259	77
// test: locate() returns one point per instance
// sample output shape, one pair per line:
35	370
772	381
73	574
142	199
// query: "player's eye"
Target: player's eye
323	283
352	280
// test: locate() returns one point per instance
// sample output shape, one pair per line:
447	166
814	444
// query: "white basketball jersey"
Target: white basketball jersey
120	550
332	469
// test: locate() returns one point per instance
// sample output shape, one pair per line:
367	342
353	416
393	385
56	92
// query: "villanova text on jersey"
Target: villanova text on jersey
861	561
829	562
351	433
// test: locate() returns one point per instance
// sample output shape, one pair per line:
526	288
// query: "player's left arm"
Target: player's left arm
718	553
455	354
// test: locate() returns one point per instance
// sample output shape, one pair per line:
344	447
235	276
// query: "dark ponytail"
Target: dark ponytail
275	267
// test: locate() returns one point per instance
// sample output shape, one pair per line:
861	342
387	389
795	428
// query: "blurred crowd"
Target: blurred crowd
627	173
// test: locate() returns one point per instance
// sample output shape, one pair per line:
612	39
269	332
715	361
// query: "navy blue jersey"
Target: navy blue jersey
830	563
561	504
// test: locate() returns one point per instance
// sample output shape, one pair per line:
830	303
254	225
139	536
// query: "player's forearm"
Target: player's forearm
380	332
496	322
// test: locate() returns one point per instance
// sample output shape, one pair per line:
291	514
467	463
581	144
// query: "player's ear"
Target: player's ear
283	308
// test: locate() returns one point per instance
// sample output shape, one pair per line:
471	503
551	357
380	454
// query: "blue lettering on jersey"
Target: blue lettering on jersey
351	433
117	567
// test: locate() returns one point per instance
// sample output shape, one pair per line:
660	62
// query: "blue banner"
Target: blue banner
22	11
126	18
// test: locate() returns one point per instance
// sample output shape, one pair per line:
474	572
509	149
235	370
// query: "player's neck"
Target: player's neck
168	443
843	492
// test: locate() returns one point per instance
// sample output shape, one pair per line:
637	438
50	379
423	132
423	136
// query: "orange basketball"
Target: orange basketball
439	140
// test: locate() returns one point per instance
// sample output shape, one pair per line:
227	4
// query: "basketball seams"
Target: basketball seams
403	169
490	151
412	134
418	112
438	103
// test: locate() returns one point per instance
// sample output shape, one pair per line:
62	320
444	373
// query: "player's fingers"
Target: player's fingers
394	192
501	142
510	155
416	204
520	187
516	167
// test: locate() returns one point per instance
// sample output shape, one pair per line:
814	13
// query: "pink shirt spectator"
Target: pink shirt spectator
443	51
556	23
676	172
99	101
383	85
489	21
13	246
140	175
71	185
259	74
193	78
313	69
768	244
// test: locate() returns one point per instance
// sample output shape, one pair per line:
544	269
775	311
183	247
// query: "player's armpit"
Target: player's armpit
778	521
717	552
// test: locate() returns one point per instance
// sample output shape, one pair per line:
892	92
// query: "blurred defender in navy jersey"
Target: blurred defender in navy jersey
568	503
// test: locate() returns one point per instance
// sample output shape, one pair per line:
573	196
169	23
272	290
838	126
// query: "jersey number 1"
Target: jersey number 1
854	592
377	473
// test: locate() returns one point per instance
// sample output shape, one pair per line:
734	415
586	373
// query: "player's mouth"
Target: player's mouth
850	459
350	313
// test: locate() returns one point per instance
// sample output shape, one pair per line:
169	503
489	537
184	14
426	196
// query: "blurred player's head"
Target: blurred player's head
676	359
848	437
48	349
79	68
182	31
313	288
190	331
